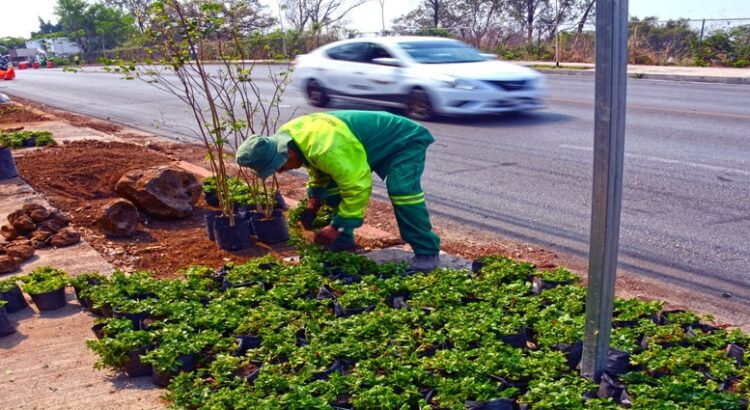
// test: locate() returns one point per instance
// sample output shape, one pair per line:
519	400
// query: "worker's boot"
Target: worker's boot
424	263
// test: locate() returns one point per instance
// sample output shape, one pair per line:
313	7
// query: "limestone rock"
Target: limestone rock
164	192
54	223
119	218
66	237
36	211
8	264
21	221
20	252
8	232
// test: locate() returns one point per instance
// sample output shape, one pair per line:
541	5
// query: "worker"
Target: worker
340	150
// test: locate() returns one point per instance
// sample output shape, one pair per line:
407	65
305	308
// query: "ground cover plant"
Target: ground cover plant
339	331
21	139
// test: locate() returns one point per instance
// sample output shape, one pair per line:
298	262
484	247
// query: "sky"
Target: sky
19	17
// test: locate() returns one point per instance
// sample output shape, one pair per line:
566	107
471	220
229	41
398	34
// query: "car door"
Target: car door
377	81
341	70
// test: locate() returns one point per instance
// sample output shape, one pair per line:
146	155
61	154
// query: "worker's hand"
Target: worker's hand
327	235
307	218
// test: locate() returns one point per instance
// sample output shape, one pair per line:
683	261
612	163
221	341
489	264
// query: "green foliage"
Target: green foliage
44	279
93	26
322	219
112	350
8	43
16	139
447	338
6	285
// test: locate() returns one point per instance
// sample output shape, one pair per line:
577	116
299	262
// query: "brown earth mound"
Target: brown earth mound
12	114
79	178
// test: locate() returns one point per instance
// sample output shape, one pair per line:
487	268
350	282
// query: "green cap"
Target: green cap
264	155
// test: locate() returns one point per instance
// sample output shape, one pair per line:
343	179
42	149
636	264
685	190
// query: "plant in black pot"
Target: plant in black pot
46	285
123	350
270	227
82	285
177	346
11	293
7	166
6	325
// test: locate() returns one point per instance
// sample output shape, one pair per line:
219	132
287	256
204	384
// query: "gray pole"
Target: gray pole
609	138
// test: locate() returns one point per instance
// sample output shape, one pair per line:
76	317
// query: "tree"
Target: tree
480	17
318	15
93	26
9	43
422	19
526	13
138	9
46	28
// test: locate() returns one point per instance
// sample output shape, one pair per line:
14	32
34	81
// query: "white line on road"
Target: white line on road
668	161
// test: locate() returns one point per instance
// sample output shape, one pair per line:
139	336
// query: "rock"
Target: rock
20	252
8	264
40	238
21	221
37	244
8	232
3	249
66	237
119	218
54	223
164	192
38	215
29	208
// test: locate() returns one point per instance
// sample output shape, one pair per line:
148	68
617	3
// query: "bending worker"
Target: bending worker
340	150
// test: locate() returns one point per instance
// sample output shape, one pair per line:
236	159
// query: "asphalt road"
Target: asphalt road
686	200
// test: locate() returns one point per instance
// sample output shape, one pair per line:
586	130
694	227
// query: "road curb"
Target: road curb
649	76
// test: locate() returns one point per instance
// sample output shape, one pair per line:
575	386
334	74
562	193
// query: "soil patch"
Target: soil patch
14	113
78	178
74	119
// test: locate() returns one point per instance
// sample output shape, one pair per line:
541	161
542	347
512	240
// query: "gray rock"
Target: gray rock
164	192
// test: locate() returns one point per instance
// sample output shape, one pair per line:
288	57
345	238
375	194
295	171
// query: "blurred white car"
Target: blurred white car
424	75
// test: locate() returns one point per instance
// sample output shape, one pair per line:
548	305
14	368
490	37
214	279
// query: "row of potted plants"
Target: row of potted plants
26	139
257	213
337	330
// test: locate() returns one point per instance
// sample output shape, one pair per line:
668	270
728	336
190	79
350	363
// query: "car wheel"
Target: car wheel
419	106
316	94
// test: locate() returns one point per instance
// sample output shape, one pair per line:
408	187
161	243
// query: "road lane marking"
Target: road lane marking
667	161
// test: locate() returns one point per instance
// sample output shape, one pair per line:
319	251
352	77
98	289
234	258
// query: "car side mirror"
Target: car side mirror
393	62
490	56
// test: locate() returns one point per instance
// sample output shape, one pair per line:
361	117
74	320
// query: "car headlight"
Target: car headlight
457	83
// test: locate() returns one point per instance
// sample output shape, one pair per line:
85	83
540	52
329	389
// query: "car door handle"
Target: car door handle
359	72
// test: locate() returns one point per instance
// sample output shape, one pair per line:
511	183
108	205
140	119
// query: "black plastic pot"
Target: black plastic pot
7	166
573	353
133	365
232	238
98	330
477	265
15	300
49	300
211	198
610	388
337	366
733	351
81	301
343	277
245	343
325	292
499	404
539	285
618	362
517	340
101	311
135	318
210	217
272	230
279	202
341	311
162	379
29	142
6	326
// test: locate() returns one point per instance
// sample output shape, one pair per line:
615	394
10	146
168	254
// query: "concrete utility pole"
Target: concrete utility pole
609	144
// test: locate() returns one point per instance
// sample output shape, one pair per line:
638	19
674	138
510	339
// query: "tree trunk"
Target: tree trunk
585	16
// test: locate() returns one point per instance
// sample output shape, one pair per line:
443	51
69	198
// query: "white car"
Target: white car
424	75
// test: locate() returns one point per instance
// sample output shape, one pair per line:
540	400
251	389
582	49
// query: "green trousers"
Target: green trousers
407	197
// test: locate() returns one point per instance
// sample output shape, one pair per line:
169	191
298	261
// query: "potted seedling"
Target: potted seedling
269	224
544	280
122	350
6	325
46	285
82	285
11	293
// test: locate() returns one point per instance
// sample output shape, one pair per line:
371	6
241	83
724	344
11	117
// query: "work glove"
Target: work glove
327	235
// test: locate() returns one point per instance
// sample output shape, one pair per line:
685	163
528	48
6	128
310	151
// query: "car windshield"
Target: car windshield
441	52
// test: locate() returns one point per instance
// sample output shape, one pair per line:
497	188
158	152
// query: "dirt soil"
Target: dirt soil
79	177
14	113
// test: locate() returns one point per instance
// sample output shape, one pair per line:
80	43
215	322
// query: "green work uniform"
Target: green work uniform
341	149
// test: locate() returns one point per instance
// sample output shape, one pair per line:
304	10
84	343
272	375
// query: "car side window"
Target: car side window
349	52
376	51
